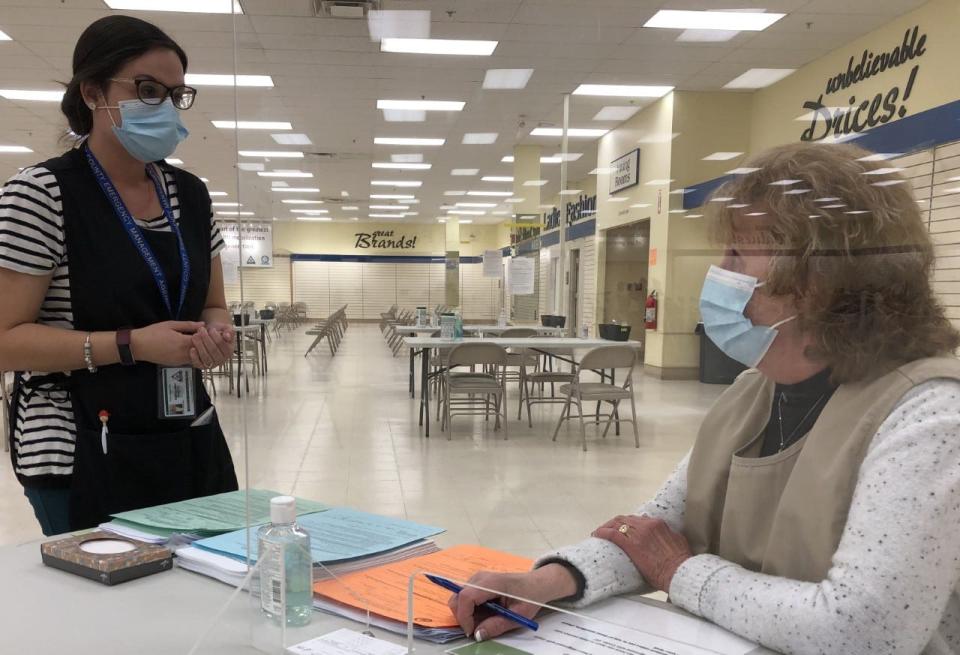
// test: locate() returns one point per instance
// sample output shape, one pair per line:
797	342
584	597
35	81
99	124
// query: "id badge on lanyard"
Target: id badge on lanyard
176	384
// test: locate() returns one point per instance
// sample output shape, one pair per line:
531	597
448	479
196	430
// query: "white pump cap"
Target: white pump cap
283	509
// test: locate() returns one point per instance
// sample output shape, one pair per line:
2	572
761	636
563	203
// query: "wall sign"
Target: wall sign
384	240
626	172
850	115
257	250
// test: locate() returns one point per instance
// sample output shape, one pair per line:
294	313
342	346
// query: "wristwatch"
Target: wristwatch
123	347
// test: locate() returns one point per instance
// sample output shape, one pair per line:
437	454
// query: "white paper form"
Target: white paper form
346	642
521	276
656	631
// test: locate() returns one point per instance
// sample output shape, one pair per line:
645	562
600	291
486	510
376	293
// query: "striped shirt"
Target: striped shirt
32	241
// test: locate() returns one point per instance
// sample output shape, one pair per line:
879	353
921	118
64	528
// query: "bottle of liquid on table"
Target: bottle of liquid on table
286	567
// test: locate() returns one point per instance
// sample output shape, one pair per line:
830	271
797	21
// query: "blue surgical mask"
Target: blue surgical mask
723	299
149	132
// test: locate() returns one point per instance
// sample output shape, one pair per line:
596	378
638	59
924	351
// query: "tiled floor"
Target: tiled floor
343	430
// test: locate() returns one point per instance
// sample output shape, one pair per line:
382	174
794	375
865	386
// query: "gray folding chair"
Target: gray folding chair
470	393
579	391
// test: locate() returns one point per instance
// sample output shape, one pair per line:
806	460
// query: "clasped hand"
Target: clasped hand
653	547
175	343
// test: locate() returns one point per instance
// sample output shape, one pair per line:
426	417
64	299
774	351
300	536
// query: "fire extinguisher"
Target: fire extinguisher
650	314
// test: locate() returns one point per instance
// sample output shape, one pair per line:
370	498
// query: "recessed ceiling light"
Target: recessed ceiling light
310	211
235	213
407	158
404	115
389	206
507	78
411	213
465	171
883	171
479	138
349	208
615	113
877	156
744	170
502	212
571	192
405	23
284	174
253	125
319	219
706	36
405	141
38	96
496	178
4	36
292	139
184	6
291	189
272	154
397	183
401	166
757	78
640	205
466	212
13	149
514	201
484	205
204	79
453	194
422	105
622	90
492	194
438	46
743	21
722	156
573	132
251	167
214	194
658	182
535	183
174	161
390	196
570	156
226	204
385	215
297	201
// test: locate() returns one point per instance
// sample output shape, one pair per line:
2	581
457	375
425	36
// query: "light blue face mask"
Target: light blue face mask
149	132
723	299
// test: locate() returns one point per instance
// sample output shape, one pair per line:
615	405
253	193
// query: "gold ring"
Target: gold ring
624	528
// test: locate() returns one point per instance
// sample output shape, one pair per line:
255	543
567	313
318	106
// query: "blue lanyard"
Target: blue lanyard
136	234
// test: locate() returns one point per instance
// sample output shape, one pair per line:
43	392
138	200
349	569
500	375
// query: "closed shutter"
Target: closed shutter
413	286
379	288
438	285
311	285
346	288
588	284
478	294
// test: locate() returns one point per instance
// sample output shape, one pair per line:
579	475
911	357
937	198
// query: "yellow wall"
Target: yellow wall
705	123
776	108
340	238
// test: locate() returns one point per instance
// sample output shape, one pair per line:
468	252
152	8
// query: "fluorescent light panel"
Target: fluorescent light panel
535	183
37	96
496	178
758	78
389	206
479	205
301	174
226	204
616	113
310	211
401	166
743	21
422	105
183	6
492	194
406	158
385	215
252	125
507	78
291	189
623	90
14	149
319	219
404	115
462	47
397	183
390	196
574	132
292	139
406	141
272	154
208	79
479	138
174	161
465	171
297	201
722	156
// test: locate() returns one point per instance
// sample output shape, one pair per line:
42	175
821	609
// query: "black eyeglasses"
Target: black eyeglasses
152	92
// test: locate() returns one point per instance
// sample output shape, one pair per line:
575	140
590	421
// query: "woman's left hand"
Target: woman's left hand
655	549
212	345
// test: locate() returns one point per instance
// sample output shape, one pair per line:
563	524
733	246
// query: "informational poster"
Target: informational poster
492	263
521	276
257	243
626	171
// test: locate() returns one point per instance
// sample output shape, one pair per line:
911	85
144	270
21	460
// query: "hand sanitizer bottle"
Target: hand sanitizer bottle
286	567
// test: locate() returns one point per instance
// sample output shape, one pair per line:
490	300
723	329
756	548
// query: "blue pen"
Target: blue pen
490	605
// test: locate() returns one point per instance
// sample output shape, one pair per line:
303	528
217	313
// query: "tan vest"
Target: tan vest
784	514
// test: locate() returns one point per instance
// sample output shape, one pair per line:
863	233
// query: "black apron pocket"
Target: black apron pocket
147	469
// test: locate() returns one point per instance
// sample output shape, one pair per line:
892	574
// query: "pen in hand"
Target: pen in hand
490	605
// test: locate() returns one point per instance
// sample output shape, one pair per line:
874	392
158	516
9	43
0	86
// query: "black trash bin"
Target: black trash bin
715	366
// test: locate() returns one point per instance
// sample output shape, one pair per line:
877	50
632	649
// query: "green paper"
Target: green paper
211	514
487	648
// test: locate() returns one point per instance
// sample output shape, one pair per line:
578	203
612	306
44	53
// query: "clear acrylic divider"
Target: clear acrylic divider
631	625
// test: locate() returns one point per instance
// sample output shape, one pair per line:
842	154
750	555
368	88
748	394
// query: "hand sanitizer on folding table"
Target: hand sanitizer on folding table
286	567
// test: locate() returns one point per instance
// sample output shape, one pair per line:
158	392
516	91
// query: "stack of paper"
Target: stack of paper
201	517
343	540
383	590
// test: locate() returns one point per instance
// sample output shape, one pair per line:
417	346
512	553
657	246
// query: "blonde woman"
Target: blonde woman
819	510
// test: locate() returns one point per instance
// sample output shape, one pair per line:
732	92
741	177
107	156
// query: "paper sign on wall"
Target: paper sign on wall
492	263
257	250
521	276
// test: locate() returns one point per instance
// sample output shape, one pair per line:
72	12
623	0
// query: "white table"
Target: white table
414	330
50	612
423	345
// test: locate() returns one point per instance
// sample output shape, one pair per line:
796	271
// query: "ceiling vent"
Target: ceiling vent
351	9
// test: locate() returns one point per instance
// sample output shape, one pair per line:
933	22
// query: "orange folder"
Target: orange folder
385	587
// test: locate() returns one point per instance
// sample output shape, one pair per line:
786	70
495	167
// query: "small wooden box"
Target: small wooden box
145	559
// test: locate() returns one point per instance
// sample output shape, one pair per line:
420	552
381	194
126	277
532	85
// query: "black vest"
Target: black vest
149	461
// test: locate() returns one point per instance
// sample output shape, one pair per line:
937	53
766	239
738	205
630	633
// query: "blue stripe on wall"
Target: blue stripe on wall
381	259
578	230
917	132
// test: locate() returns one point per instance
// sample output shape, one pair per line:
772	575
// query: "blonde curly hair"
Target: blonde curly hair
851	248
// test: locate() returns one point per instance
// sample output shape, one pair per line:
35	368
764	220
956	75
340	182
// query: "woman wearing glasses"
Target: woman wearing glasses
113	291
